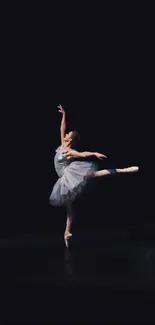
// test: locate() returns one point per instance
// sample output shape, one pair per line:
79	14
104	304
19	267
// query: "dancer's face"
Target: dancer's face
68	137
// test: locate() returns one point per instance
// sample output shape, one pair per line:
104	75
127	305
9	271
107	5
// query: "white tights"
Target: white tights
69	218
113	171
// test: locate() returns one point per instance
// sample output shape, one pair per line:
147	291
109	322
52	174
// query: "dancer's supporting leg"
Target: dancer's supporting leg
113	171
69	221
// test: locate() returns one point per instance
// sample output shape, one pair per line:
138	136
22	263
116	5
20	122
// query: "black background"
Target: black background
98	63
102	75
109	96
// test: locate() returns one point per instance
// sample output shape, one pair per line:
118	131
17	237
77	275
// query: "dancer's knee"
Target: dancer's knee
112	171
105	172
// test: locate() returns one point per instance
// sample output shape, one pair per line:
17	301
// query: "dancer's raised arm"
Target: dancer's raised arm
77	154
63	122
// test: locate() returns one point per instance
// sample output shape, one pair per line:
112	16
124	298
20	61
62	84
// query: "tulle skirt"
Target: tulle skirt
75	178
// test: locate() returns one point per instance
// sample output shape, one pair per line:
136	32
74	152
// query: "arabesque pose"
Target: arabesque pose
74	173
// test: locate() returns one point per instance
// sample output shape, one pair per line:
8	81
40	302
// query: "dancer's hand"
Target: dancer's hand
61	110
100	155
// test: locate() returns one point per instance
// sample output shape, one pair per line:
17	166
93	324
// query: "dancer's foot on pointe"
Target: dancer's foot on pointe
67	236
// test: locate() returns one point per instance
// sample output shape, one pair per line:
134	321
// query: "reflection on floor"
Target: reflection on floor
101	281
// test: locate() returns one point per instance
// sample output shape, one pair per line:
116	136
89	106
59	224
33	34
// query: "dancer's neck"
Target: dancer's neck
67	145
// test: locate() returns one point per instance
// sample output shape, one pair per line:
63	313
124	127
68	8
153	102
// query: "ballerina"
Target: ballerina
73	173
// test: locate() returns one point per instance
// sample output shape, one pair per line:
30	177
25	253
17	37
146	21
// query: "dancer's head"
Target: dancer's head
73	137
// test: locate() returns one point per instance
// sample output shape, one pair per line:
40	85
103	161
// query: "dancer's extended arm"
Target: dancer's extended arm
84	154
63	123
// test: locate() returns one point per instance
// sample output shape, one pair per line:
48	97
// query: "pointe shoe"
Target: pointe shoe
132	169
67	236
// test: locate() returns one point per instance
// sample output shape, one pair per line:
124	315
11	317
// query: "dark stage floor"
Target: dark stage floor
106	277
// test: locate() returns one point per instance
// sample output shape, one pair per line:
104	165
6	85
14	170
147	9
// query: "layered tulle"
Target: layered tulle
71	184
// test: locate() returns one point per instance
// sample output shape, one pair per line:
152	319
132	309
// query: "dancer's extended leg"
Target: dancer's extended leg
113	171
